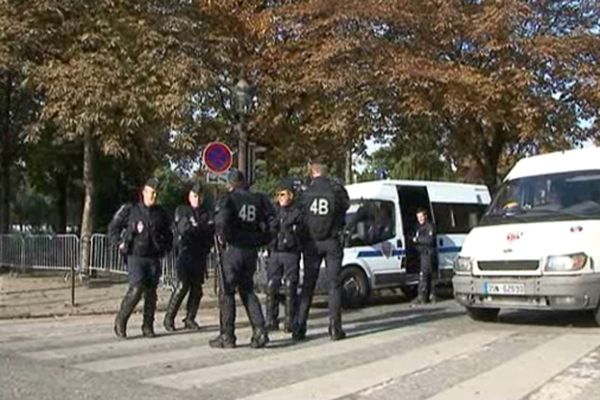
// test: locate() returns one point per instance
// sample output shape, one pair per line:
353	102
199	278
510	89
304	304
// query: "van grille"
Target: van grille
512	265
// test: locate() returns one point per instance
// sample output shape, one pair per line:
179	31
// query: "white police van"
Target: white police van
382	220
538	245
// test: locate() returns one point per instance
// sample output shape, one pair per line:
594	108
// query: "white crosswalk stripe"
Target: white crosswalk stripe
538	365
204	376
349	381
562	365
121	363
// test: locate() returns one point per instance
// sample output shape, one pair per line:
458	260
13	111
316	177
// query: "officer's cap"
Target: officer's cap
235	177
197	188
152	182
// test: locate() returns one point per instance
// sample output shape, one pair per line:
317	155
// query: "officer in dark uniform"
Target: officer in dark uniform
242	223
424	241
193	238
324	206
284	258
143	232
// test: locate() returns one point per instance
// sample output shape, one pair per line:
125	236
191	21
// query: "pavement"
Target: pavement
393	351
36	294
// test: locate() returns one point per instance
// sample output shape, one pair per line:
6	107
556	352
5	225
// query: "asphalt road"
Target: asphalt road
393	352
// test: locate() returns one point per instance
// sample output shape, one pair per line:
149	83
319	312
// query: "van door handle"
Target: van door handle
399	243
441	242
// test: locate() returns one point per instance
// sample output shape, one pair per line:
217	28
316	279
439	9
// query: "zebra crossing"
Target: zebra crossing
428	353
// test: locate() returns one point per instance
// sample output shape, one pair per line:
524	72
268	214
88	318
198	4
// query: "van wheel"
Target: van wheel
483	314
355	287
410	292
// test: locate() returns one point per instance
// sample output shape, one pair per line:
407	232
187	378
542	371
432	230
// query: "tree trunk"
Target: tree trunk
86	219
61	203
6	158
492	155
348	178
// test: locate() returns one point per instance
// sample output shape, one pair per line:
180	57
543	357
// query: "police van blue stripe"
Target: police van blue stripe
455	249
401	252
370	253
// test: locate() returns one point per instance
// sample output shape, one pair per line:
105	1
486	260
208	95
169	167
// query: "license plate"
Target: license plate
503	288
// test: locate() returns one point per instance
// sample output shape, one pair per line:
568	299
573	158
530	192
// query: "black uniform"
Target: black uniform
242	218
284	262
324	205
425	245
193	238
146	235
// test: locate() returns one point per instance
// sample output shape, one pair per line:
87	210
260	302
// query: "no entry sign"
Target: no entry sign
217	157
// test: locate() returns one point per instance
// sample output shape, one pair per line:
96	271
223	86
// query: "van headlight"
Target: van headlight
567	262
463	265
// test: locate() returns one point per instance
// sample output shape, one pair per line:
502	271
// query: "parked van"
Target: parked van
382	220
538	245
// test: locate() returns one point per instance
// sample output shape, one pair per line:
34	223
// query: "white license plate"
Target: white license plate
503	288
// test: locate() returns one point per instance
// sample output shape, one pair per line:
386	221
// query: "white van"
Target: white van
382	220
538	245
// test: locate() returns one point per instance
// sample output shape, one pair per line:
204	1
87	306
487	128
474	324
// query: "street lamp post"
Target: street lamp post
243	100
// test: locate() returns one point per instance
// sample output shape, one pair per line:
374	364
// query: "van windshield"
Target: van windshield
564	196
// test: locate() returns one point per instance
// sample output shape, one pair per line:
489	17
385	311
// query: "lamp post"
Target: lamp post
243	94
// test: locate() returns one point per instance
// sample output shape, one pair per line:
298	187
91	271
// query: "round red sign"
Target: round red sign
217	157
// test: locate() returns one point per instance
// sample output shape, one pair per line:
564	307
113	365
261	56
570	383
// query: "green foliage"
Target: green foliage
449	87
32	209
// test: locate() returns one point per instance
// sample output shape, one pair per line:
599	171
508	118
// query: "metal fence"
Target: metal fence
62	252
51	252
104	256
12	250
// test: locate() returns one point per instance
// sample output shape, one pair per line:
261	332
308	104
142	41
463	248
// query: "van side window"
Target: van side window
370	222
457	217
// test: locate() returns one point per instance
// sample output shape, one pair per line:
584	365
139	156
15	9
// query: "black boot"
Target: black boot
149	310
259	339
299	332
226	338
193	304
335	329
272	311
173	306
290	308
130	300
222	341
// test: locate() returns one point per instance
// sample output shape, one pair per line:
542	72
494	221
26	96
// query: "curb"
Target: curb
209	303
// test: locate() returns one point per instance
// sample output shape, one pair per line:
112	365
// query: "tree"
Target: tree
493	78
51	171
18	107
135	67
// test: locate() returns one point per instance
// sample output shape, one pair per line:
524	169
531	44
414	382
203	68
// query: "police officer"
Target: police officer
284	258
193	238
143	232
242	224
324	205
424	241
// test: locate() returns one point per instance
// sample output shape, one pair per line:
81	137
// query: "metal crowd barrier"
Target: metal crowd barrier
62	252
12	250
104	256
51	252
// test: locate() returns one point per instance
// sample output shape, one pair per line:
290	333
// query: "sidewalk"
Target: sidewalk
36	295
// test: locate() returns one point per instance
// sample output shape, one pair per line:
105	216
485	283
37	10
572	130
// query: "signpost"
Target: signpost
217	158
